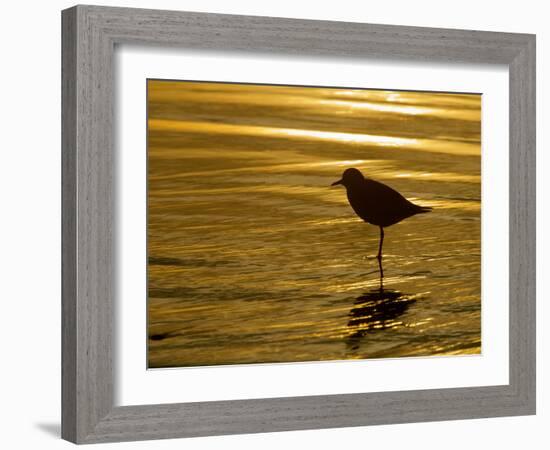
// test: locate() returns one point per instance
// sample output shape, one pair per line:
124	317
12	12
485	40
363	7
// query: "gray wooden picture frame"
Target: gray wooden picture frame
90	34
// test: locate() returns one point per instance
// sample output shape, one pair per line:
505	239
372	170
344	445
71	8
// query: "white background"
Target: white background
30	225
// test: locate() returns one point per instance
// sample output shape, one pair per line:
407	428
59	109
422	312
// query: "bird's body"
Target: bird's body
377	203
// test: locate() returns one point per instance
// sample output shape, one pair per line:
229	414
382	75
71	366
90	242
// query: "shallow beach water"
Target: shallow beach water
254	258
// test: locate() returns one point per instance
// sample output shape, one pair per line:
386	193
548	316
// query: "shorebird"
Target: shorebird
377	204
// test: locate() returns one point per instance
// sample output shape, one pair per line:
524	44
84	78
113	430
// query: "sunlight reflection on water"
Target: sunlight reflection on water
253	258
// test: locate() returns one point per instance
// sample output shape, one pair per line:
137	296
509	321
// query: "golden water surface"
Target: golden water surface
252	257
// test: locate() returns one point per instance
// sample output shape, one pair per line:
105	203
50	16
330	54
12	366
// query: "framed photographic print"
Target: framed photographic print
278	224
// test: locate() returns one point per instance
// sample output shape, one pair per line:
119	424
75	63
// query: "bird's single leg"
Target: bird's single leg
379	256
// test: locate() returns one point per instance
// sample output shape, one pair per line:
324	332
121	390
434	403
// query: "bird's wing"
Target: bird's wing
386	196
387	205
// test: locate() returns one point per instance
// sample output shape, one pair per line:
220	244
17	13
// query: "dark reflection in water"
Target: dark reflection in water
376	310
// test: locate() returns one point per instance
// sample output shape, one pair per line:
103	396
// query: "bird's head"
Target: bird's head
350	177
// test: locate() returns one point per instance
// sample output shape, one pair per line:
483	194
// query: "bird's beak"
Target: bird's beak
336	182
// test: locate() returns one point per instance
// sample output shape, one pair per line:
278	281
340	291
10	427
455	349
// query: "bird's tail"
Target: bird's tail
424	209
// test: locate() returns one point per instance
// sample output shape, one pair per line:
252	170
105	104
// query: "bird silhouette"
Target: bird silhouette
377	204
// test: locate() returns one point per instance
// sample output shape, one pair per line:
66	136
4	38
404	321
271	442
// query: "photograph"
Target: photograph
266	225
305	223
